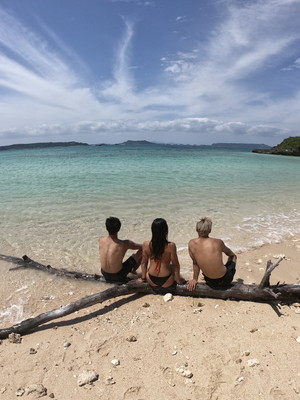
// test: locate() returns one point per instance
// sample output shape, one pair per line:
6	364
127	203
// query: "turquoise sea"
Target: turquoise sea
54	201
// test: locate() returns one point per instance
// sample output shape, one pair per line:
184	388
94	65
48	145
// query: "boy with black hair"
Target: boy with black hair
112	251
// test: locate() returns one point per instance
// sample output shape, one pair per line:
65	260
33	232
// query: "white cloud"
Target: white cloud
294	65
194	130
249	41
181	18
122	86
145	3
43	96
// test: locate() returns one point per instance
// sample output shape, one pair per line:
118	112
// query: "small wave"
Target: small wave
265	229
183	248
13	313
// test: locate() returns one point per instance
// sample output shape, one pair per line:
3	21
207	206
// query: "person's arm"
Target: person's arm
196	271
132	245
231	255
175	263
144	262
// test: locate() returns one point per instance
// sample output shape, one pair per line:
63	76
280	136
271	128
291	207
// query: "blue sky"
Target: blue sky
173	71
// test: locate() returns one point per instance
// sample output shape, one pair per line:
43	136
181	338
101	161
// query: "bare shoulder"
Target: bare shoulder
192	244
172	245
218	242
192	241
102	239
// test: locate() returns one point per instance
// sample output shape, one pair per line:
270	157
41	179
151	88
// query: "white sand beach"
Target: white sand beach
141	347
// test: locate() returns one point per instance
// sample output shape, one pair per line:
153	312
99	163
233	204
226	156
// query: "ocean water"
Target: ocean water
54	201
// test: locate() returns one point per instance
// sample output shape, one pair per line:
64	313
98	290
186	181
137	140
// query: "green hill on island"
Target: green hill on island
288	147
291	143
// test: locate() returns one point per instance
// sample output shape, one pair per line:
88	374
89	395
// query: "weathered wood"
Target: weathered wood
237	291
265	282
116	291
28	263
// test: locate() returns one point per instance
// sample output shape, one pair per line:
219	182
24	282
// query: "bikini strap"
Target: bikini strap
157	266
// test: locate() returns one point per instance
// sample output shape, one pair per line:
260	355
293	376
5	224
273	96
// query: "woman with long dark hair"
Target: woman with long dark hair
164	268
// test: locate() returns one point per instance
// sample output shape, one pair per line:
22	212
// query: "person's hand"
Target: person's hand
140	280
182	281
192	285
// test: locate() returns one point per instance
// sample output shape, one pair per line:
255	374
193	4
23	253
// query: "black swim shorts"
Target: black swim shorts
226	279
121	276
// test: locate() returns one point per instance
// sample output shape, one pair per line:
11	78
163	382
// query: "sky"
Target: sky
169	71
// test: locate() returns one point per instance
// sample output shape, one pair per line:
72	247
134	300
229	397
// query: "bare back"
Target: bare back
167	265
206	253
112	251
168	257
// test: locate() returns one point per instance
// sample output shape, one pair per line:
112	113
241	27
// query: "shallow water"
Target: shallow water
54	201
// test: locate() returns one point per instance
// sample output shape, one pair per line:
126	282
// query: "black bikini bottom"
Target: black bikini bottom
159	280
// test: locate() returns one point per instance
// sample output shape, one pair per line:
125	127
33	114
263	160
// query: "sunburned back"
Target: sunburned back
207	252
112	252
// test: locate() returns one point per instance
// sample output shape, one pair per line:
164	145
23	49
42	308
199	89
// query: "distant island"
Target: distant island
135	142
41	145
288	147
232	146
241	146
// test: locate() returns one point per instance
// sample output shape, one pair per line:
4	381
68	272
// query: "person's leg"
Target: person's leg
130	265
138	258
182	280
169	282
228	278
229	259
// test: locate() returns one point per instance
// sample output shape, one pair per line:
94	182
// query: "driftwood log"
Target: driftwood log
28	263
237	291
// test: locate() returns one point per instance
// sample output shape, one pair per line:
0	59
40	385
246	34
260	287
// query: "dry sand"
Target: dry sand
226	349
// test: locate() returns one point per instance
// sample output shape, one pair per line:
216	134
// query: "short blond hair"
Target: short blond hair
203	226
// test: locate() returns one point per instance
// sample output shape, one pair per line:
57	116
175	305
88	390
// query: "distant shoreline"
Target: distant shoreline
279	152
232	146
40	145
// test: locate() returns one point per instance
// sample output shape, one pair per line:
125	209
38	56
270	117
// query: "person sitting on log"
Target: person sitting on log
112	251
206	254
164	268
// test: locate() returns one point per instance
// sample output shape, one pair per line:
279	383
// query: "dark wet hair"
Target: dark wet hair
159	239
113	225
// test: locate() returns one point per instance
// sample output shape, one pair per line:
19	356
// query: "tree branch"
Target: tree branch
265	282
236	291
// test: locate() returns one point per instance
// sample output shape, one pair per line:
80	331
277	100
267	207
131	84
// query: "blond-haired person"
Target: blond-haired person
206	254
